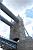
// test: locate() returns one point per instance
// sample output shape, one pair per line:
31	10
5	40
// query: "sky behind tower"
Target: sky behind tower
22	7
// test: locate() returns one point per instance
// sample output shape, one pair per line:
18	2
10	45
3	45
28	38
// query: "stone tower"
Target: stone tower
18	30
18	33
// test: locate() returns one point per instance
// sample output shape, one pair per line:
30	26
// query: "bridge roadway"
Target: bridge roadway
8	44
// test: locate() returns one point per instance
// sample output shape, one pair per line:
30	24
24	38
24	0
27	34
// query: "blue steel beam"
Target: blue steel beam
7	11
6	21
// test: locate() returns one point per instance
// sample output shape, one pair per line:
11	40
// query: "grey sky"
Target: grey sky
17	7
17	4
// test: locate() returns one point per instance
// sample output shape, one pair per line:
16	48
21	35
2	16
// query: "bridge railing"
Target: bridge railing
8	43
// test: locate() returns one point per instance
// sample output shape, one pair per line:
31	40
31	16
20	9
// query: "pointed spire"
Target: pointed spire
20	18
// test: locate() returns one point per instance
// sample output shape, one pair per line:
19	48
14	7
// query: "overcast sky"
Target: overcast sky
22	7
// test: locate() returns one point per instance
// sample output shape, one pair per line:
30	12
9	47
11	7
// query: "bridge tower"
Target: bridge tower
17	33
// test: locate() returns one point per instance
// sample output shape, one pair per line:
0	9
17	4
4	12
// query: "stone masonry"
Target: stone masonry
18	31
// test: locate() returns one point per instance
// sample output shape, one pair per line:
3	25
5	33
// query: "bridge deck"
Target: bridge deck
8	43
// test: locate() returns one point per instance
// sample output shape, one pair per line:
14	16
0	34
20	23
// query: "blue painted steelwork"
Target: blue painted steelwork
7	43
6	21
9	13
4	42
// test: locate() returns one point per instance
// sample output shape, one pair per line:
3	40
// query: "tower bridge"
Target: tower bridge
4	43
17	33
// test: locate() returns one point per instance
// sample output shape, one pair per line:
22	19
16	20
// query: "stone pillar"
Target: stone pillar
18	31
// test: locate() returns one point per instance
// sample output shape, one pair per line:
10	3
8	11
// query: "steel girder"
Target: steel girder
8	12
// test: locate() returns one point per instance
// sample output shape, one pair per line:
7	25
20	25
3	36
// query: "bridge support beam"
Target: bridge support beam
6	21
8	12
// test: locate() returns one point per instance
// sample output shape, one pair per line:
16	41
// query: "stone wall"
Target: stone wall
25	45
18	31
